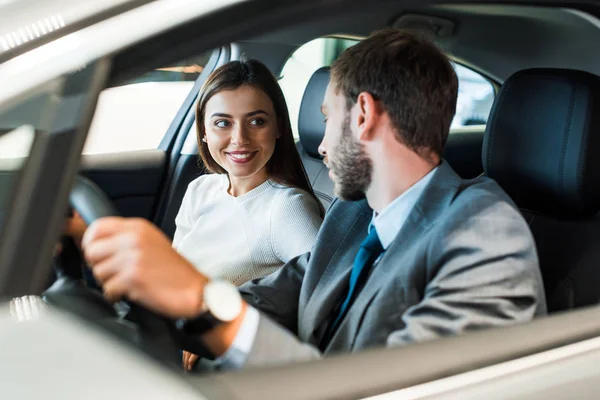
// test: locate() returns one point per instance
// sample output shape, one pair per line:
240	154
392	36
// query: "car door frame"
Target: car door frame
28	238
176	136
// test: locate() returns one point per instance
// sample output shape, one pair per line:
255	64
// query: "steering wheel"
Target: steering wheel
142	328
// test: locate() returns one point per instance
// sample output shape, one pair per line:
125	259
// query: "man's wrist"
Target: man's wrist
220	339
216	314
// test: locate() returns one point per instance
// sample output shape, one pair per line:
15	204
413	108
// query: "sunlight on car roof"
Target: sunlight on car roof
25	21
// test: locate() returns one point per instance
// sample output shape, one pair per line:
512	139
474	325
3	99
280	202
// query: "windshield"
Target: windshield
24	23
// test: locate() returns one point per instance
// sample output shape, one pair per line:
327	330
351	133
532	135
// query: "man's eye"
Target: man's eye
257	122
222	123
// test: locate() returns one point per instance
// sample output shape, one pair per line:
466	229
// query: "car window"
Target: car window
475	98
137	114
475	92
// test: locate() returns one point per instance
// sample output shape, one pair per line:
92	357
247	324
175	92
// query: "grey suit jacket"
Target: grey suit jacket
464	260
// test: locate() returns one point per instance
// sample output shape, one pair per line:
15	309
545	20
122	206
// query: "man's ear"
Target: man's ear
368	116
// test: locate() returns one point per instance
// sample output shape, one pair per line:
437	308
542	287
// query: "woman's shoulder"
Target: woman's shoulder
203	191
284	191
294	197
295	222
207	182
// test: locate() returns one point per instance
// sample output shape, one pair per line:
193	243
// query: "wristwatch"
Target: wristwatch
221	303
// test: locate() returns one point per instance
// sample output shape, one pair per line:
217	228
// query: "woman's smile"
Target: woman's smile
241	157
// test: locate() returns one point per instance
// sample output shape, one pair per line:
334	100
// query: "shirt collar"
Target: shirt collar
391	219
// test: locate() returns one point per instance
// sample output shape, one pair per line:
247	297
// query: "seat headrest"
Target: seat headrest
311	123
542	141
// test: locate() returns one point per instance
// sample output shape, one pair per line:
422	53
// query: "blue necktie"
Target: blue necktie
369	250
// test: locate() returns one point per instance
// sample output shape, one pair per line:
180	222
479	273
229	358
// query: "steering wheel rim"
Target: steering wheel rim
157	335
90	201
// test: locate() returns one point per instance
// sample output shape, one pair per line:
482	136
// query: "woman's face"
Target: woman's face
241	130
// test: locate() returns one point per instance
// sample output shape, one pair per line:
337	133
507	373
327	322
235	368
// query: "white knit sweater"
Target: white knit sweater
245	237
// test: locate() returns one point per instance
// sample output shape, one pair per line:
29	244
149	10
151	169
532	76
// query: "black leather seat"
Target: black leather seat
463	153
542	146
311	128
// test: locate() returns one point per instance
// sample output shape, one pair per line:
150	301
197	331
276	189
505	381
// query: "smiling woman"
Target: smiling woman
241	144
256	210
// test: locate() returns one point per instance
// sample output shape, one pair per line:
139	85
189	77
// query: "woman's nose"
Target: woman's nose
239	136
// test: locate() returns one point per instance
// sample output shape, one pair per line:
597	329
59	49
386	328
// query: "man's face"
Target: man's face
349	166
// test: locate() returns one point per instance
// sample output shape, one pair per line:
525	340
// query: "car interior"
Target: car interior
539	144
468	33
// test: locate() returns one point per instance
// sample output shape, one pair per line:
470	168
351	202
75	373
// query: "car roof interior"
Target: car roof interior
496	40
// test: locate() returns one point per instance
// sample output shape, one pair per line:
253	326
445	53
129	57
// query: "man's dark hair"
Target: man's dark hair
414	81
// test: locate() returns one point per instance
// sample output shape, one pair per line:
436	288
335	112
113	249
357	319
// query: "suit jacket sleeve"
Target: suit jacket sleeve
482	272
277	294
277	297
276	345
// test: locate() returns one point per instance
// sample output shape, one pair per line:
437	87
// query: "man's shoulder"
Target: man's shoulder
481	204
344	217
482	191
345	208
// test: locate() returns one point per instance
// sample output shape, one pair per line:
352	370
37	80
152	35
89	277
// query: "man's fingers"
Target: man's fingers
186	362
116	288
108	268
96	251
102	227
191	361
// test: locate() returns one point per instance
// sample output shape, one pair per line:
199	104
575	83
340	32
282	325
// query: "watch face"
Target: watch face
223	300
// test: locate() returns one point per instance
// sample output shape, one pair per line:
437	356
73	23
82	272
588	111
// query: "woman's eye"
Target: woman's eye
222	123
257	122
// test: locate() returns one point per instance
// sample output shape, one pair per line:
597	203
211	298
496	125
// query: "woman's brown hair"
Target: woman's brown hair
285	166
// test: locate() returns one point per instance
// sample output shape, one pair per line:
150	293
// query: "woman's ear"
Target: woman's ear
368	116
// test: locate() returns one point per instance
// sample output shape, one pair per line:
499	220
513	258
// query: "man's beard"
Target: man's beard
351	166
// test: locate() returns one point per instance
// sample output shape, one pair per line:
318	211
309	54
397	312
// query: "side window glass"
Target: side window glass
475	92
137	114
475	98
302	64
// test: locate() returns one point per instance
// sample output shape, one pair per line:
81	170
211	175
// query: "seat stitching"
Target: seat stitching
500	101
570	292
580	160
565	141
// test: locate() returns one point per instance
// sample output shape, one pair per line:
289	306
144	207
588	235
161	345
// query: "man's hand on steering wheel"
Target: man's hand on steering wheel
75	227
133	259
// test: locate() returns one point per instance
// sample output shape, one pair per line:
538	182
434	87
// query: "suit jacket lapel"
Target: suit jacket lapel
334	279
434	200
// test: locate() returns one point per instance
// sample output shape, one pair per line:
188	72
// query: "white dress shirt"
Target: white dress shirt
387	223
